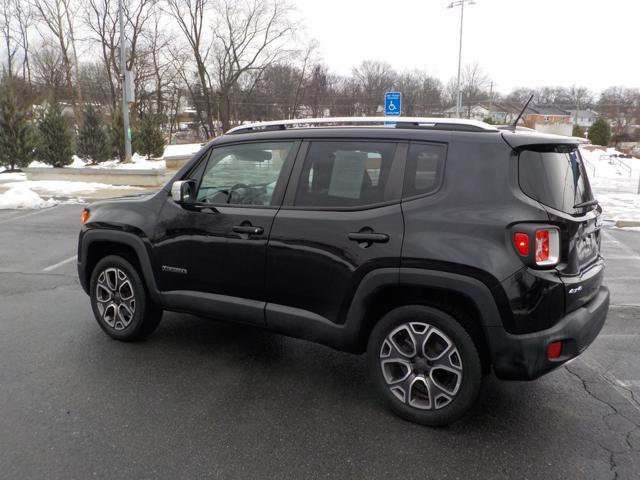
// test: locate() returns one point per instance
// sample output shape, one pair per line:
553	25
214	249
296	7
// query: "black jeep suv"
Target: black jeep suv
443	248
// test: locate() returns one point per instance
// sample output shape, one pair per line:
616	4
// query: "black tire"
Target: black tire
427	402
112	306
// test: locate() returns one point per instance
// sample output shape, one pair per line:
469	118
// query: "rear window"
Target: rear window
555	176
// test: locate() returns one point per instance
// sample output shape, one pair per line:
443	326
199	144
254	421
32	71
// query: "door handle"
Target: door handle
369	237
248	229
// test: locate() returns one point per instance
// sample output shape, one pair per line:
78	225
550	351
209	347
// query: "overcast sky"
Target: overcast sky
530	43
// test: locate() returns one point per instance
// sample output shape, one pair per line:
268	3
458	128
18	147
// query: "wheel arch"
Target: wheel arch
97	244
465	298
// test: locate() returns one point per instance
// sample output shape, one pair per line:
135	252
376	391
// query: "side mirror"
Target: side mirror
184	192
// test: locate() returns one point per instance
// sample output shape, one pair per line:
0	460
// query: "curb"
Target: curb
627	223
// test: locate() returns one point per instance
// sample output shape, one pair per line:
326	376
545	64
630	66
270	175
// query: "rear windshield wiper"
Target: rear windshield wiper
588	203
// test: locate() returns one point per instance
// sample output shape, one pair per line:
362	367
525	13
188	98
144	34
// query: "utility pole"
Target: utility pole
460	3
123	78
490	98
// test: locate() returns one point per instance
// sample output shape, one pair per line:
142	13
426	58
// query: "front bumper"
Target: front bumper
524	357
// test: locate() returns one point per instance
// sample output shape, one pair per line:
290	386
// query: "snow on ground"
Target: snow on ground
138	162
12	177
613	185
178	150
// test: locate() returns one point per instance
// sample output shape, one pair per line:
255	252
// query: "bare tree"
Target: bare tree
101	19
579	97
24	22
48	69
55	15
317	91
190	17
474	86
621	105
248	37
373	78
6	25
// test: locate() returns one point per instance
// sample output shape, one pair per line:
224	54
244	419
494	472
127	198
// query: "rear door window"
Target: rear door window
345	174
555	176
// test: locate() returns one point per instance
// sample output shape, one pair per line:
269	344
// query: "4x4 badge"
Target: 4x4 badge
576	290
166	268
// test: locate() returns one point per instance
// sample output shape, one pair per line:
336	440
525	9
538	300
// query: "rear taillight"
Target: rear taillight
545	241
547	247
522	243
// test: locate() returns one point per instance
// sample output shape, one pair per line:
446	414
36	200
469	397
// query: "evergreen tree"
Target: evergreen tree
116	135
55	145
93	143
17	141
600	132
578	131
148	138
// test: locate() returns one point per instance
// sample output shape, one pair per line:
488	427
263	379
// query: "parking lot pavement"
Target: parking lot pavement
206	399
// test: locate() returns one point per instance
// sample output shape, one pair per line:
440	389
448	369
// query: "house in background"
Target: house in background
585	118
500	113
548	119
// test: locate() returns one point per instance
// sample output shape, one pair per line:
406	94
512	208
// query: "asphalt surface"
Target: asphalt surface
204	399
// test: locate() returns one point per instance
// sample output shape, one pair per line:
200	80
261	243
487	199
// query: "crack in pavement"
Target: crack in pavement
613	465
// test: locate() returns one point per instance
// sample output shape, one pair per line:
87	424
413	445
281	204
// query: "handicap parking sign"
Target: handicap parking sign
392	104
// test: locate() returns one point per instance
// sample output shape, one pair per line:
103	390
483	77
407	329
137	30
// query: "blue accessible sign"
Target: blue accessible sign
392	104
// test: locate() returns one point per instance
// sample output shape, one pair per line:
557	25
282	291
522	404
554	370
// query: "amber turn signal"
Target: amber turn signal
85	215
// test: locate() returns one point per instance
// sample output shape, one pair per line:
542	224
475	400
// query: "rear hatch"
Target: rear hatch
554	175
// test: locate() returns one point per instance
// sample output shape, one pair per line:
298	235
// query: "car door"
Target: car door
341	218
212	254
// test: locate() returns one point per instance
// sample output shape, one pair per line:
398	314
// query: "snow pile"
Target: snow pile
38	164
61	188
613	186
22	197
77	162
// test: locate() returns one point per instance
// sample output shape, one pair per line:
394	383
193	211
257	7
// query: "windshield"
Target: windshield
555	176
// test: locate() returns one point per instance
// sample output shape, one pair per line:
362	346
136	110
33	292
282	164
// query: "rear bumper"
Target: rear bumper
524	357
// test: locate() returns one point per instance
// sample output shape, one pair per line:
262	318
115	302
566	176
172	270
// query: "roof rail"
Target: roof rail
392	122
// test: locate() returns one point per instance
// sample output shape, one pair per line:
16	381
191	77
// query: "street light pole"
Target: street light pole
123	77
460	3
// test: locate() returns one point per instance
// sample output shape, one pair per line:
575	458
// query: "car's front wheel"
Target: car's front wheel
425	364
120	302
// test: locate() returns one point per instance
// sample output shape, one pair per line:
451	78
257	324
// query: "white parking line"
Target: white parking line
628	383
627	250
59	264
18	217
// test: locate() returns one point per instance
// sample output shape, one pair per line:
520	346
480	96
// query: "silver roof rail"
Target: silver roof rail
393	122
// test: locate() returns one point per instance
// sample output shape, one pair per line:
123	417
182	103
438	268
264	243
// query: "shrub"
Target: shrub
116	135
93	142
55	145
578	131
148	138
17	141
600	132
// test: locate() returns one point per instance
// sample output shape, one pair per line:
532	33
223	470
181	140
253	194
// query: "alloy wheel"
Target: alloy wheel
115	298
421	366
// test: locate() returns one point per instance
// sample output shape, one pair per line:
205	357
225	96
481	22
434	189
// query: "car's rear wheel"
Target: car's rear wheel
120	302
425	364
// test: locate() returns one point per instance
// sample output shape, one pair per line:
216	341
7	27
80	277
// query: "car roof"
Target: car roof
386	128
